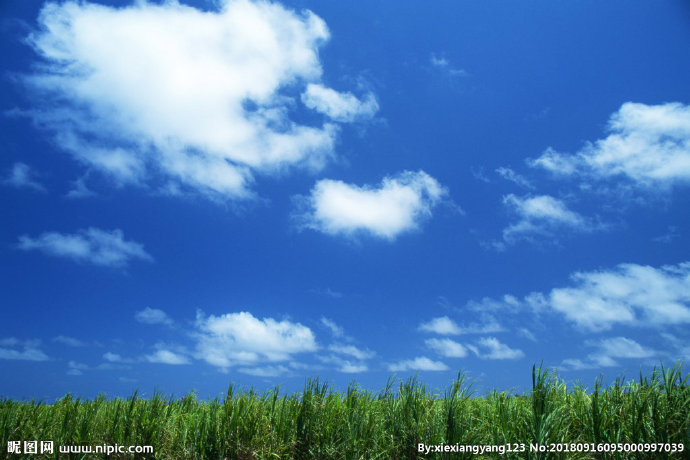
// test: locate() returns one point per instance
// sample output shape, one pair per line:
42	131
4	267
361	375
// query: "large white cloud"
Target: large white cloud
171	95
241	339
93	245
397	205
648	144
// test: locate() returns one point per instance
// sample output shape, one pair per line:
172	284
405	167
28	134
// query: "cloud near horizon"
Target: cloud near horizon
22	350
399	204
607	350
626	295
234	339
421	363
175	98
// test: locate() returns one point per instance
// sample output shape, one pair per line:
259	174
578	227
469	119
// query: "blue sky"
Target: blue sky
206	192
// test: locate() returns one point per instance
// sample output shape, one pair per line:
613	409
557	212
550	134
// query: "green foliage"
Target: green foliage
358	424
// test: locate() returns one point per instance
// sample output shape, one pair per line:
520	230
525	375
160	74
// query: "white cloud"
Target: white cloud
344	365
421	363
648	144
174	97
607	350
494	349
680	349
446	347
241	339
398	205
115	358
75	368
80	190
352	350
443	64
29	350
629	294
265	371
510	175
153	316
336	330
95	246
21	176
441	325
69	341
526	333
446	326
164	356
622	347
540	215
343	107
348	367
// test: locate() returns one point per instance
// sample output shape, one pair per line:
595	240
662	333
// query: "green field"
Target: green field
357	424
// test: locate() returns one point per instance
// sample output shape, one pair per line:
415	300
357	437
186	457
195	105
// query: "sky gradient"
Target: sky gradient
203	192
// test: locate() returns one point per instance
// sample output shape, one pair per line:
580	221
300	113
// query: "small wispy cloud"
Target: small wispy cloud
69	341
153	316
442	325
351	350
336	330
510	175
76	368
264	371
670	235
447	347
21	176
540	216
80	190
445	326
443	64
492	348
21	350
116	358
93	245
421	363
165	356
343	107
607	350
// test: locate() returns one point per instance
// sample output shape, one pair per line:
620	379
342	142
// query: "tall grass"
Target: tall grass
359	424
